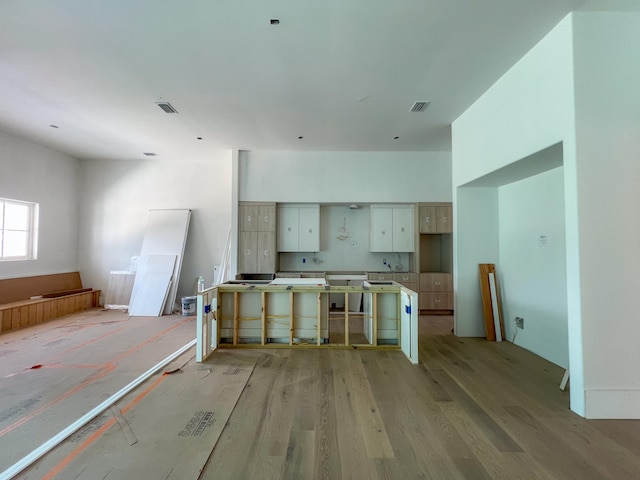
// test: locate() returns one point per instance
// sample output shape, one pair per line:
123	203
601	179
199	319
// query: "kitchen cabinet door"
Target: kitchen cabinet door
248	217
309	229
288	225
266	252
299	228
427	220
403	237
443	219
266	219
381	239
247	252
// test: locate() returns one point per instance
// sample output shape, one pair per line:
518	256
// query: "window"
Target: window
18	229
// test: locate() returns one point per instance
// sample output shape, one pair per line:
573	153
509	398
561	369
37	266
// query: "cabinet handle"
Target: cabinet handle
437	300
427	219
445	219
266	219
248	251
248	218
436	282
266	253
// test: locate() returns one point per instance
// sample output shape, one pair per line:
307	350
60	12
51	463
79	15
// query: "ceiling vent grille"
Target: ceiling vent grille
420	106
167	107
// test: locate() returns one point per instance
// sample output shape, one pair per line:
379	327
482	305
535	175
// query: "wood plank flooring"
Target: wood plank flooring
471	410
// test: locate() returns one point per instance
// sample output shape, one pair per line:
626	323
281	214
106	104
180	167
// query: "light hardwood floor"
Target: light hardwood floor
471	410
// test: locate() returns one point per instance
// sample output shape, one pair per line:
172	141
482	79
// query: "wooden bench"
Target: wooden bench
56	295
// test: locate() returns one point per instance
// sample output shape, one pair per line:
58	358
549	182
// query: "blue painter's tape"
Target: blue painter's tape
407	308
207	308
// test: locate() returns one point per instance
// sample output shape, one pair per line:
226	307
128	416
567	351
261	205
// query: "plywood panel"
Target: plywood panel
6	320
33	312
23	288
487	305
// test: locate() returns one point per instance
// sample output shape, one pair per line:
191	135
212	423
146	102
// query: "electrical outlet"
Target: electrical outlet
519	322
545	240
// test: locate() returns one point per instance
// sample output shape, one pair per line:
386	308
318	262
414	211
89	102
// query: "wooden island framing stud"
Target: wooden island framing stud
261	314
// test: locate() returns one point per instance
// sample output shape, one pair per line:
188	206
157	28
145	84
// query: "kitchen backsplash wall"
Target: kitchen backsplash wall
344	245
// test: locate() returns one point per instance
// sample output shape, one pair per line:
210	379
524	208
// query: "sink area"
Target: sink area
255	276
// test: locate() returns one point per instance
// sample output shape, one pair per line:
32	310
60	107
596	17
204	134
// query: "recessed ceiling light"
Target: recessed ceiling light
419	106
275	21
150	154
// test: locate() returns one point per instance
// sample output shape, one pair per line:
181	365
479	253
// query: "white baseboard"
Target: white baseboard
612	404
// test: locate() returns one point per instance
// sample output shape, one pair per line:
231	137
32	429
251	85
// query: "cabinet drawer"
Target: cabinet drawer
436	282
405	278
435	301
380	276
413	286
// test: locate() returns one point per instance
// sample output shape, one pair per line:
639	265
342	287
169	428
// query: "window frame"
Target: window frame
32	230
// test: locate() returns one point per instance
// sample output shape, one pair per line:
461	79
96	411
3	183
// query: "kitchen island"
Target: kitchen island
296	312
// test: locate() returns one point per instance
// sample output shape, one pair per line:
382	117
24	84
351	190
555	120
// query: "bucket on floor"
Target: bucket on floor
188	306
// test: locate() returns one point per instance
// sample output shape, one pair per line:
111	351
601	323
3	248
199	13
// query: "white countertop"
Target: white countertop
299	281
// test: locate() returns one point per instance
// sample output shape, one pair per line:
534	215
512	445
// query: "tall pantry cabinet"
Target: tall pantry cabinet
257	237
436	256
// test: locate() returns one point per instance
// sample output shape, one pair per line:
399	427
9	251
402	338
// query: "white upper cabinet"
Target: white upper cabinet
381	229
392	228
403	229
298	228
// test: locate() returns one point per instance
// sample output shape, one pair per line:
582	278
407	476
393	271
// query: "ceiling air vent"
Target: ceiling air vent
167	107
419	107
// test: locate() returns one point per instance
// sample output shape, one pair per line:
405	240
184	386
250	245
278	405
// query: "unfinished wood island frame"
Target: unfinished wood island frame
277	316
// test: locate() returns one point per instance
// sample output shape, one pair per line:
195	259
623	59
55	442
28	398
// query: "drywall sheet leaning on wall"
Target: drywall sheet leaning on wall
166	234
152	284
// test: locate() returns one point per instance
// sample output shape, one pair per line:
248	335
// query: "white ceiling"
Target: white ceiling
340	73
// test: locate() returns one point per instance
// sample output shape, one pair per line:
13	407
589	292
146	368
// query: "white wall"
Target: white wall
581	86
342	178
347	177
607	71
117	196
33	173
476	235
533	277
528	110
